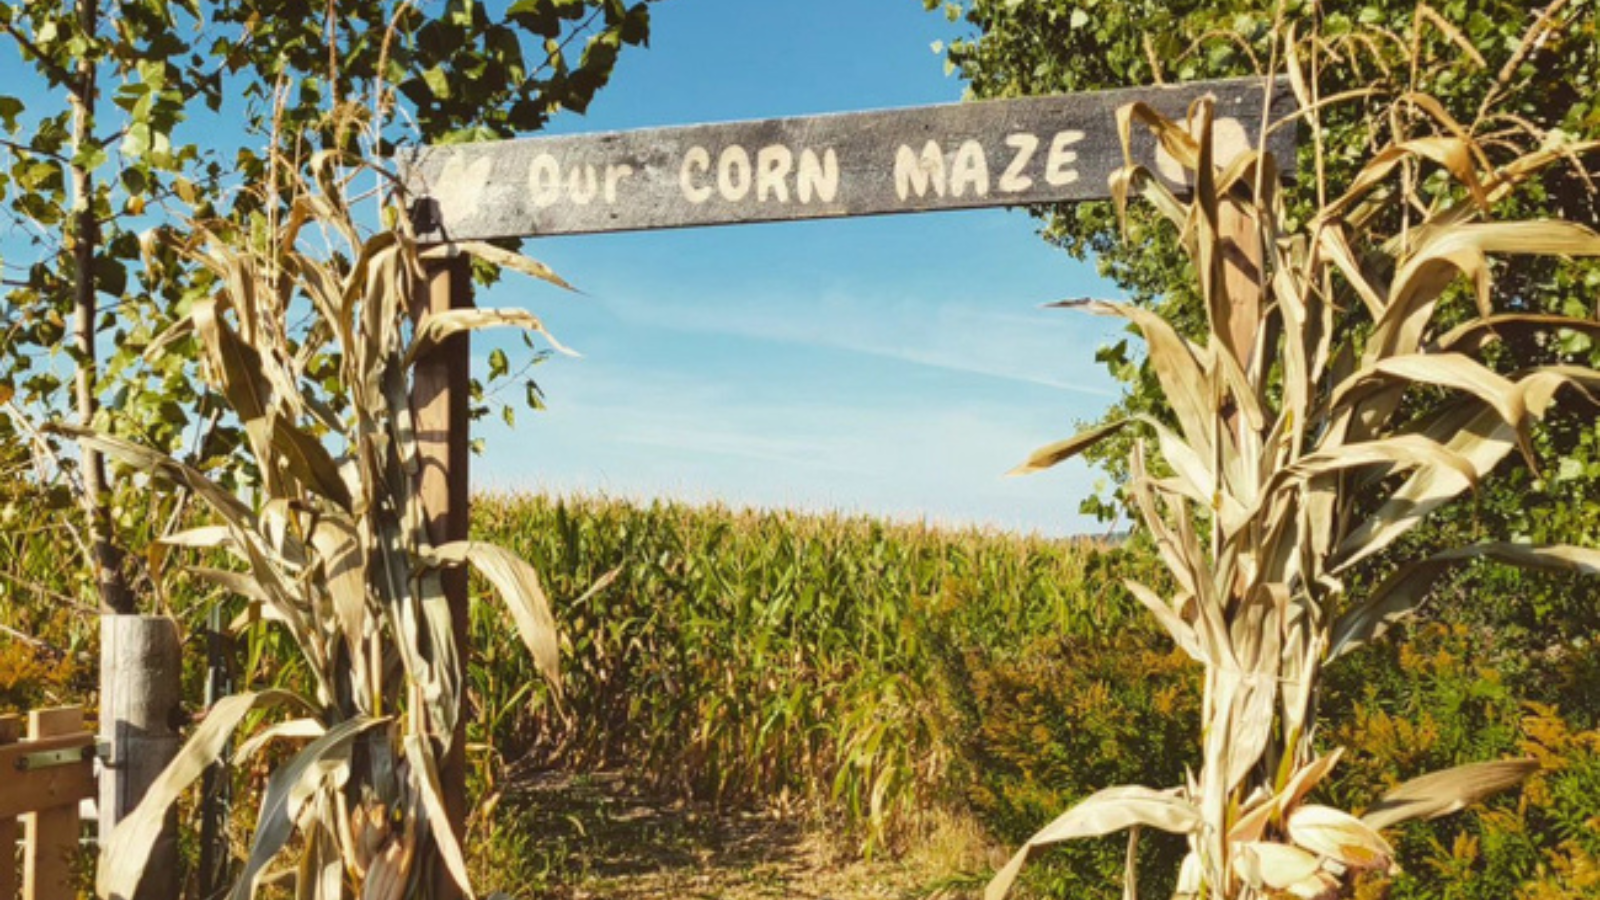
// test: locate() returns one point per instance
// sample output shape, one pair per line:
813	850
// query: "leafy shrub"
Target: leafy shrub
1455	692
1045	727
47	639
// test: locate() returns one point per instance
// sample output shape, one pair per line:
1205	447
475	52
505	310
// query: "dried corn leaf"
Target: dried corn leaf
289	789
1103	812
1451	790
125	853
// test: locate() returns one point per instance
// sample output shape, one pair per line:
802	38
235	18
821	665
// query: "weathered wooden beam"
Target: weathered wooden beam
439	404
141	667
957	156
10	731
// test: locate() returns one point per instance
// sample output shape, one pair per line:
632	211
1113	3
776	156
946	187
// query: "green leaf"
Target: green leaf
110	275
10	107
136	143
438	81
499	365
133	180
635	26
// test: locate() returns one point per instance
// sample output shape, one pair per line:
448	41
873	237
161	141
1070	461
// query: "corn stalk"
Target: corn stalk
1309	448
313	355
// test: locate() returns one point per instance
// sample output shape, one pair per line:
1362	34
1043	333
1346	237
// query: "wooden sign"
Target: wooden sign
959	156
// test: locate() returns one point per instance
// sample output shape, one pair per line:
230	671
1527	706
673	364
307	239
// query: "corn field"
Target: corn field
738	656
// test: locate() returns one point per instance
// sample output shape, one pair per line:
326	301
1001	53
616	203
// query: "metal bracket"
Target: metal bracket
425	215
45	759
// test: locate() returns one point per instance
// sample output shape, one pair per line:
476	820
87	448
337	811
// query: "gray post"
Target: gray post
140	668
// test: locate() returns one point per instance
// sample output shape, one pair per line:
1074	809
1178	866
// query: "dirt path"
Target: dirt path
600	841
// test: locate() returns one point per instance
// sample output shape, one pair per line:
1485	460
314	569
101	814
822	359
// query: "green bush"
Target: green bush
1045	727
1453	692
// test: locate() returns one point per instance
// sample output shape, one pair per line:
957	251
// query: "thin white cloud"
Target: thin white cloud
1027	348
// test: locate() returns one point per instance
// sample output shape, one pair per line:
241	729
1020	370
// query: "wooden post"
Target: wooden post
52	833
439	396
140	668
1243	281
10	732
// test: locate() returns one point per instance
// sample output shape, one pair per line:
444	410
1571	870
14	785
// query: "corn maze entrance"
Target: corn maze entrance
958	156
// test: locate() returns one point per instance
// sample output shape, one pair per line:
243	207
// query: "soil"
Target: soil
601	839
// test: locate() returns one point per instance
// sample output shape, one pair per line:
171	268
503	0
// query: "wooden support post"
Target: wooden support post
51	855
439	397
10	732
140	667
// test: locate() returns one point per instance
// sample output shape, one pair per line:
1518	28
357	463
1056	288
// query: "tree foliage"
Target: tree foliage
1469	56
126	116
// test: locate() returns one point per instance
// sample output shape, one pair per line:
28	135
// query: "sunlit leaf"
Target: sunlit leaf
1451	790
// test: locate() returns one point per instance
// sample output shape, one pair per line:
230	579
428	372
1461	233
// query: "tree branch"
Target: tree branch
54	70
15	147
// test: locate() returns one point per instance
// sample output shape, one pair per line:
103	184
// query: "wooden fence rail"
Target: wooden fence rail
42	780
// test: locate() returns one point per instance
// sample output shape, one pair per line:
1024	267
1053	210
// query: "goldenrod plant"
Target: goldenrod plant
304	330
1363	393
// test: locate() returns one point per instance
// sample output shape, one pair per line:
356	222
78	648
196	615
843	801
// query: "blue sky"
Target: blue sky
896	366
